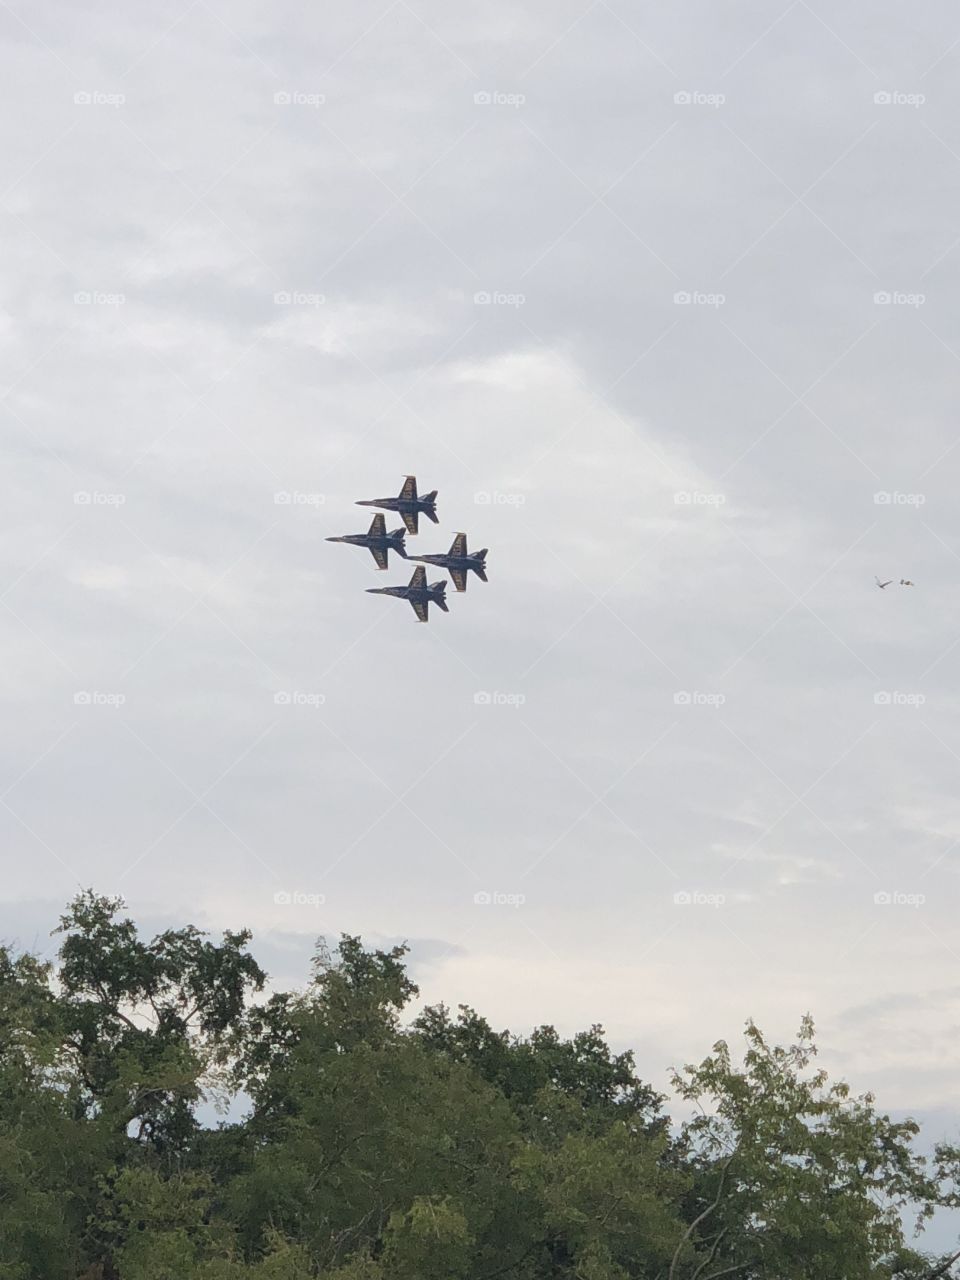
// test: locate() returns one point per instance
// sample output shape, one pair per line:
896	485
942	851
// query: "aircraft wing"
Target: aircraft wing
409	491
459	547
459	577
378	527
380	555
419	579
411	521
420	608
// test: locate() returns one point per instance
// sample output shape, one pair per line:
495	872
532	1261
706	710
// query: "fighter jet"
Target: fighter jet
880	584
458	561
418	592
377	541
905	582
408	504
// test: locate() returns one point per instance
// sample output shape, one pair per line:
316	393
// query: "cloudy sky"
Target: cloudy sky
664	305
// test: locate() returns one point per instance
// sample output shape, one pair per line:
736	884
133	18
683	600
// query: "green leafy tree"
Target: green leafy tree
50	1156
605	1085
437	1149
145	1021
354	1119
796	1178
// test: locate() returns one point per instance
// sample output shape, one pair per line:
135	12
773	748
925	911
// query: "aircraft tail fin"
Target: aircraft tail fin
438	595
481	573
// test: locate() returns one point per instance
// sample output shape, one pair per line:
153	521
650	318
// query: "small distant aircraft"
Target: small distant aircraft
880	584
408	504
419	592
377	541
905	582
458	561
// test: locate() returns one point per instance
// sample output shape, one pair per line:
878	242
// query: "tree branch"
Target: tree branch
700	1217
943	1268
502	1271
708	1260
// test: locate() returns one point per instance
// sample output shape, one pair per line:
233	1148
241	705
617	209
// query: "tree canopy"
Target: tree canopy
378	1146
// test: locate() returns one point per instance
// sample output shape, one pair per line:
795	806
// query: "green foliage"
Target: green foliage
605	1085
430	1241
796	1177
145	1020
434	1149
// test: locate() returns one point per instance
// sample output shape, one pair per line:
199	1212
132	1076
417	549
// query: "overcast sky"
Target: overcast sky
246	248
